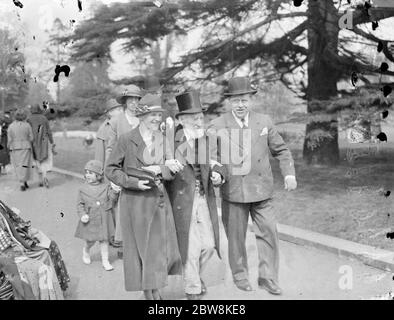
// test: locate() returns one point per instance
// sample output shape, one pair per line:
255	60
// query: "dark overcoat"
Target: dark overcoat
181	191
42	136
150	247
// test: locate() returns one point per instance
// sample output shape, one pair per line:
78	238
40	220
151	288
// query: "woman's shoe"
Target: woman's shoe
156	294
26	185
148	295
41	184
23	188
107	266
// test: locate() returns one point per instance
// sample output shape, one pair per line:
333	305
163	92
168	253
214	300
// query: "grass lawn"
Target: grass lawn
342	201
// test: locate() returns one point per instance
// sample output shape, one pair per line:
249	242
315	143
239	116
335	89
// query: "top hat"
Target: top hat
189	103
130	91
149	103
239	85
111	104
152	84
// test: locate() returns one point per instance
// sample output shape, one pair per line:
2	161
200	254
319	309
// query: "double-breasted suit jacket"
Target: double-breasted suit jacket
150	247
250	179
182	190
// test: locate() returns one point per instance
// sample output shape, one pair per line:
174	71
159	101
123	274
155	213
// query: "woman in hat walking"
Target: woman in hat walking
42	144
5	121
20	138
150	245
123	123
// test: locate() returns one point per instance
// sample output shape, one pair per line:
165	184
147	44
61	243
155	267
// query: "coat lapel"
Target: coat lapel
136	138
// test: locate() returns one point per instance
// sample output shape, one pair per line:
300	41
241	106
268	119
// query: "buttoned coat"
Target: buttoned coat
181	191
249	176
42	136
150	247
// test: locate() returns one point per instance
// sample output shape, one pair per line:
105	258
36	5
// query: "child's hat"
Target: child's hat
95	166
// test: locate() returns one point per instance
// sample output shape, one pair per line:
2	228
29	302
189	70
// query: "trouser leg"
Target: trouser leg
263	216
235	220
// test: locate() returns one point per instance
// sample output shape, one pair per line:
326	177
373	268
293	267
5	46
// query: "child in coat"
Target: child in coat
95	202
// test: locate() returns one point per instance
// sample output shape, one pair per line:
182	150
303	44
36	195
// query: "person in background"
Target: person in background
43	144
94	205
149	238
20	138
5	121
123	123
112	110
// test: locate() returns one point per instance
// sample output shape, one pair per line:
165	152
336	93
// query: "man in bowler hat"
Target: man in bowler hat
248	188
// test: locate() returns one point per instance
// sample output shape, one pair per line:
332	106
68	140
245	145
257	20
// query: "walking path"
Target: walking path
305	272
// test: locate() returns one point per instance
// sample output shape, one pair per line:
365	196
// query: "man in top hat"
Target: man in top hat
192	194
249	184
112	110
123	123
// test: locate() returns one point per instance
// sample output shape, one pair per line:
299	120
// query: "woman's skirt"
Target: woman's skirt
21	159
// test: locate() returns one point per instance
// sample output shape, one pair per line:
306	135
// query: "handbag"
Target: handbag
143	174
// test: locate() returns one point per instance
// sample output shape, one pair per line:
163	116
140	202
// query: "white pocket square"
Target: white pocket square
264	131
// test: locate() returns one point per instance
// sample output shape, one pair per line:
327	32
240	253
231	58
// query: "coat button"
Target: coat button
180	192
98	203
259	174
259	160
178	207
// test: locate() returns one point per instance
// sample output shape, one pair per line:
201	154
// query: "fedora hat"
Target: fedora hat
239	85
130	91
189	103
111	104
149	103
152	84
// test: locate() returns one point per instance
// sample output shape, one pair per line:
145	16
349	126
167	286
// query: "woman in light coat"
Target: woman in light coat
20	138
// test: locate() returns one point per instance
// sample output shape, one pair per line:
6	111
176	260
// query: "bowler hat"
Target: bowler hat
95	166
130	91
149	103
111	104
239	85
152	84
189	103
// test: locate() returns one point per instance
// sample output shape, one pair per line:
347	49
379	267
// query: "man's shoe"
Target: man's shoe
23	188
243	285
270	285
193	296
26	185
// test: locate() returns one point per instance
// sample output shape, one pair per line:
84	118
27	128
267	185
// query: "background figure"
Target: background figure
112	110
123	123
20	138
43	144
5	121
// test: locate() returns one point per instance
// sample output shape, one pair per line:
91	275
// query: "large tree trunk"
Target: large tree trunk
321	140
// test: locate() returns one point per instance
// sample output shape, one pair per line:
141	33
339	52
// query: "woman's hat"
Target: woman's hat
239	85
189	103
95	166
152	84
20	115
111	104
149	103
130	91
35	109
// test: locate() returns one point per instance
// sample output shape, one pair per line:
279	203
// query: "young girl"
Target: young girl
95	202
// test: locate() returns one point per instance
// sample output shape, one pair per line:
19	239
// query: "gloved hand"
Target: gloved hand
216	178
290	183
85	218
116	188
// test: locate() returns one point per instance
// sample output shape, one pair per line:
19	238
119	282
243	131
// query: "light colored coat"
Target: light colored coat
20	136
